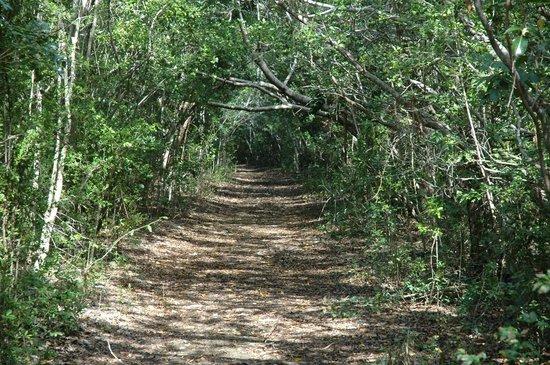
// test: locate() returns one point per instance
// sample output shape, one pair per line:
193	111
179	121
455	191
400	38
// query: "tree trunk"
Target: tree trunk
66	82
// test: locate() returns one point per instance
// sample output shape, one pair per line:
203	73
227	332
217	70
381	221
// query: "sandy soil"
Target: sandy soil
244	278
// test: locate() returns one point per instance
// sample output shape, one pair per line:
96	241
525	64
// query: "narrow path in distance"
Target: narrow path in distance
244	278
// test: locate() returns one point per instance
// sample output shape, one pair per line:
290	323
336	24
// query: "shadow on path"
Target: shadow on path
244	278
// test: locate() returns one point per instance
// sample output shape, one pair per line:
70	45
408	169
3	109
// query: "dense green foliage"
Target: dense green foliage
423	123
134	145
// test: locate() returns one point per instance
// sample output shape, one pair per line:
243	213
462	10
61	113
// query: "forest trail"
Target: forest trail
244	278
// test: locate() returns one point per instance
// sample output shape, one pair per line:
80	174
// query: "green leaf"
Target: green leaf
512	29
5	5
542	283
519	46
469	359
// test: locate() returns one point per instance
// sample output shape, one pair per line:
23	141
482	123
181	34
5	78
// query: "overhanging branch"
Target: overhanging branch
258	108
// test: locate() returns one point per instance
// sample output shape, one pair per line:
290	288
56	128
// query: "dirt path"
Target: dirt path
244	278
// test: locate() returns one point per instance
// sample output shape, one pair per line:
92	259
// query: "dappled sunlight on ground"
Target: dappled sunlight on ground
244	278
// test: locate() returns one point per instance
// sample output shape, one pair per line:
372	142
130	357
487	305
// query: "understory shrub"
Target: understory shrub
34	311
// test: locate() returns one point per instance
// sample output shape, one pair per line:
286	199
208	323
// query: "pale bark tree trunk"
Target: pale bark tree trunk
176	138
92	6
35	105
480	158
7	121
66	82
6	140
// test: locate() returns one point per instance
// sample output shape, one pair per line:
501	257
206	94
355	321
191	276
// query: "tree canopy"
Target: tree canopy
423	123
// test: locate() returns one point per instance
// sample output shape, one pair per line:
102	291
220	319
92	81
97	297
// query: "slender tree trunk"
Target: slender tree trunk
177	137
35	107
91	33
7	121
66	82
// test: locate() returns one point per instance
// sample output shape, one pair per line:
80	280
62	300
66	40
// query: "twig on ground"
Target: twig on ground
111	351
271	332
